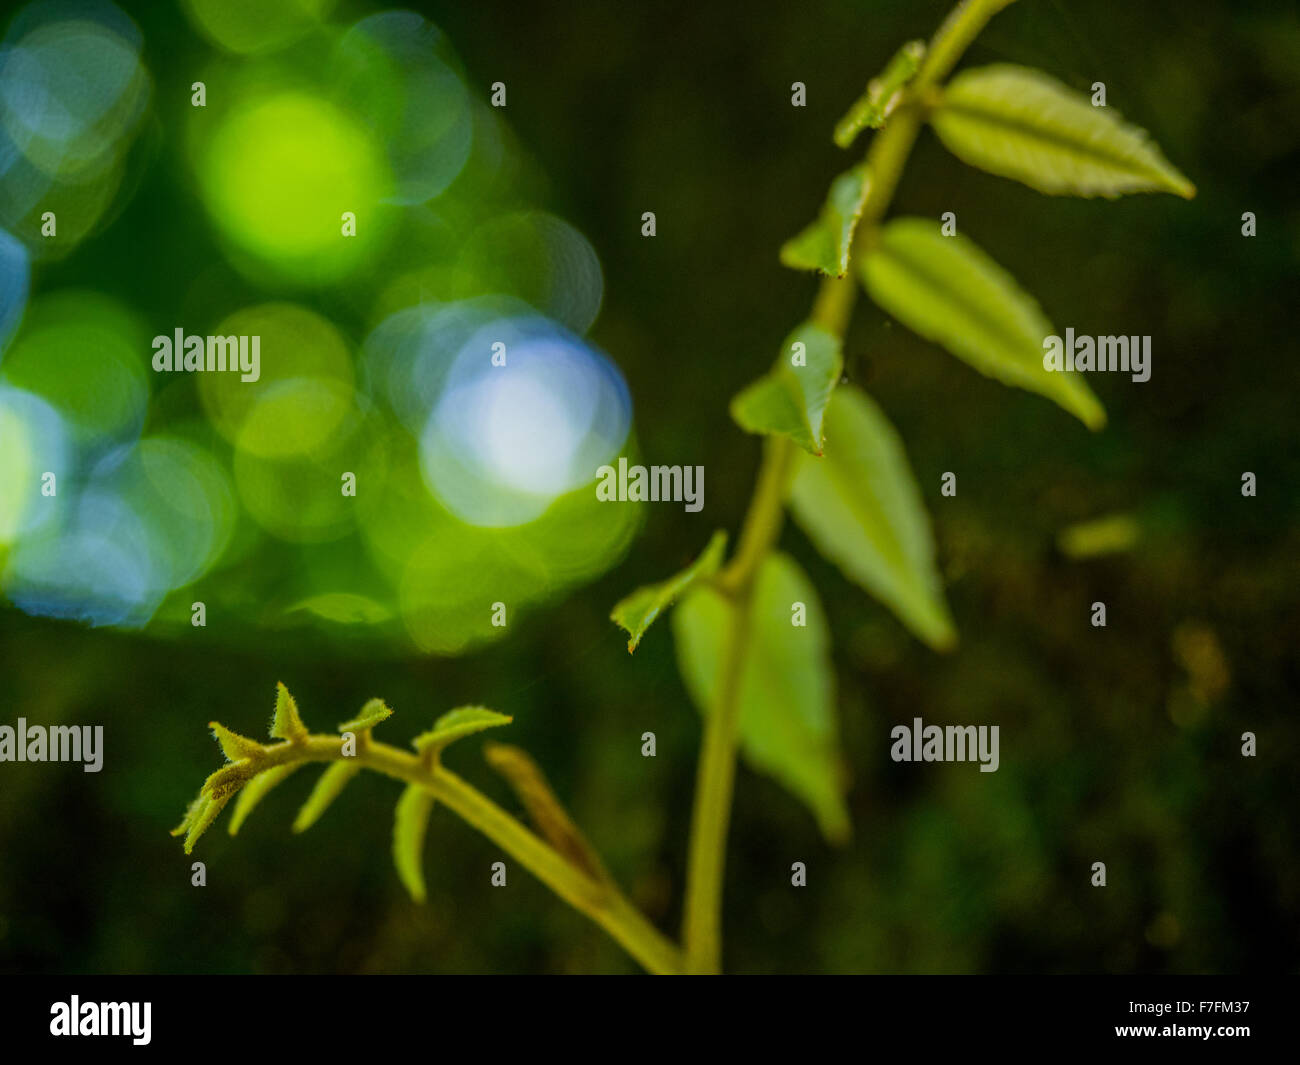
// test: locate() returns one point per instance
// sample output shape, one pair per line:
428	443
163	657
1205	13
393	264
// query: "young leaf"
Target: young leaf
1020	123
203	818
409	823
191	811
456	724
286	725
882	95
787	715
791	399
948	291
328	787
234	746
255	791
375	711
861	508
544	809
636	612
824	245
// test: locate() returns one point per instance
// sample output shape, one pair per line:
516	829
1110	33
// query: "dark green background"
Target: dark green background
684	109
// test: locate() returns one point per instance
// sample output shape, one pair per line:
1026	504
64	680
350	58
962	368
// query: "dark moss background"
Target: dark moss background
1119	745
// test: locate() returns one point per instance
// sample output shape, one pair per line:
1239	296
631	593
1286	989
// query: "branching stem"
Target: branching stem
598	899
832	308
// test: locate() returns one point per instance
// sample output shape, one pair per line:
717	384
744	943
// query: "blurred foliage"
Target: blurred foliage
1120	744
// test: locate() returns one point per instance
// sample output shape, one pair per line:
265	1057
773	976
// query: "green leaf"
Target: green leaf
456	724
255	791
948	291
824	245
636	612
791	400
1020	123
234	746
860	506
375	711
329	785
882	95
409	824
210	806
787	710
286	725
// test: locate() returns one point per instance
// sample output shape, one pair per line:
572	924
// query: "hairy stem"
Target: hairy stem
832	308
600	900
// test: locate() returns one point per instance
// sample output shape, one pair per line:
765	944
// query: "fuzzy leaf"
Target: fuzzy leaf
824	245
1020	123
861	508
456	724
544	809
409	824
191	811
329	785
286	725
787	710
947	290
375	711
255	791
636	612
234	746
203	818
791	400
882	95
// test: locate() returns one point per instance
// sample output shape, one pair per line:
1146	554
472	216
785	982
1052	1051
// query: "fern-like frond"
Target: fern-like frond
560	857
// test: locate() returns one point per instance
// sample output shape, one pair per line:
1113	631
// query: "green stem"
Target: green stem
716	775
832	308
600	900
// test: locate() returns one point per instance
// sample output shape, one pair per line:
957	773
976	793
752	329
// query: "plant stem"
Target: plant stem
832	308
600	900
717	769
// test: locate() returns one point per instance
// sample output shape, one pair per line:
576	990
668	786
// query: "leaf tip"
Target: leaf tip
235	747
1095	418
375	712
286	724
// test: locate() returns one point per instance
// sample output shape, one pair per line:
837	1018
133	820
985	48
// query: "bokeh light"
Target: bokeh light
540	259
33	442
278	176
253	26
504	441
421	438
304	386
73	95
395	69
15	282
86	356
